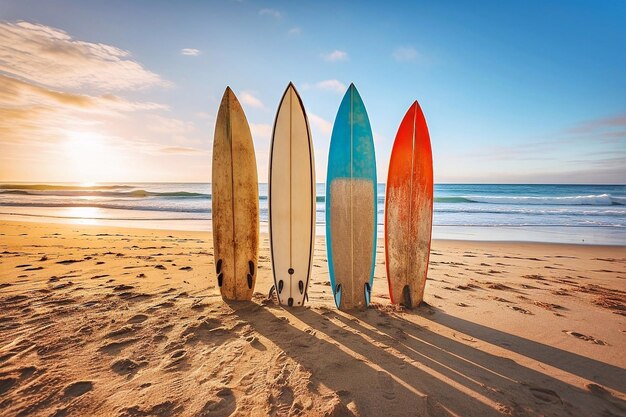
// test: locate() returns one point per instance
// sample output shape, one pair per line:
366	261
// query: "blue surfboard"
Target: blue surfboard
351	204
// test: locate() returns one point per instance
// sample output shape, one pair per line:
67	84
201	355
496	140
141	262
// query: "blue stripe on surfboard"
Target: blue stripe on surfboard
351	121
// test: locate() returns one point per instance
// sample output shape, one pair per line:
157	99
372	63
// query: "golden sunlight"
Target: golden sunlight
89	158
83	215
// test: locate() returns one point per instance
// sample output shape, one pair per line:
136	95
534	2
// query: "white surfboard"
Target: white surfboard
291	200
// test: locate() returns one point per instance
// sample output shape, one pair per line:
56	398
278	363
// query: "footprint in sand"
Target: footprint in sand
177	358
123	287
386	384
122	331
6	384
283	402
545	395
69	261
255	343
549	306
167	408
100	276
76	389
585	337
223	406
601	392
139	318
38	268
126	366
114	348
521	310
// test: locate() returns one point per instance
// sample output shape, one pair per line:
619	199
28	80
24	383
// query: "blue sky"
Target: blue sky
512	91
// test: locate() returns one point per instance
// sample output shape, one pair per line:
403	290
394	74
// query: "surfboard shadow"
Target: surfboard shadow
492	376
600	372
376	382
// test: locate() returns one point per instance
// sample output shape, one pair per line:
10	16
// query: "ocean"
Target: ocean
591	214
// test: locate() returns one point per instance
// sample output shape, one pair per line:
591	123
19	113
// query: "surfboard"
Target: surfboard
409	210
291	200
351	204
235	202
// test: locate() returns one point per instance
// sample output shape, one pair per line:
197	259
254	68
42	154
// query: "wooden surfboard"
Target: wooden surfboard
351	204
291	200
235	197
409	210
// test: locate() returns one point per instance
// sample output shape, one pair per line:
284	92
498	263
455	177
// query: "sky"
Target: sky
128	91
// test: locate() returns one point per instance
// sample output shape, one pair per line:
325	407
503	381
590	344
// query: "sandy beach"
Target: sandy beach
129	322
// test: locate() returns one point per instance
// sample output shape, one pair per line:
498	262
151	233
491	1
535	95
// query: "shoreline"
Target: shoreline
597	235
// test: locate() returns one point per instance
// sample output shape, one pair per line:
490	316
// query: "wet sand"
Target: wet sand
129	322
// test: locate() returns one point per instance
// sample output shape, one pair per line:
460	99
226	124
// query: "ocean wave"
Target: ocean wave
68	187
100	193
579	200
109	205
532	211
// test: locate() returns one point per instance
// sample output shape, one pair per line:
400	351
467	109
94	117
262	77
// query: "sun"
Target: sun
89	157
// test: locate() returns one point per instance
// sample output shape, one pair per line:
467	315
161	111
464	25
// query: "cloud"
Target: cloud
190	51
294	31
169	125
405	54
323	125
31	112
181	150
604	128
51	57
14	92
335	56
249	99
39	64
327	85
271	12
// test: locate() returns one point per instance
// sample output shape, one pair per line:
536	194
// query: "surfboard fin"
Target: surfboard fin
406	294
368	293
338	295
249	281
220	279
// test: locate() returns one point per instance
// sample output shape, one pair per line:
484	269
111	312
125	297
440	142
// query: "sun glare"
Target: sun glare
89	157
84	215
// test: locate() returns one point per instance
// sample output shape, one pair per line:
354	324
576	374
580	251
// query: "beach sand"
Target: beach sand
97	321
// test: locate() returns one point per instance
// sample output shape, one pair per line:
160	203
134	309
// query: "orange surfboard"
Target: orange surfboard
409	210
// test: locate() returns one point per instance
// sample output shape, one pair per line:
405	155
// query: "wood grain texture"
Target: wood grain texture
235	201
